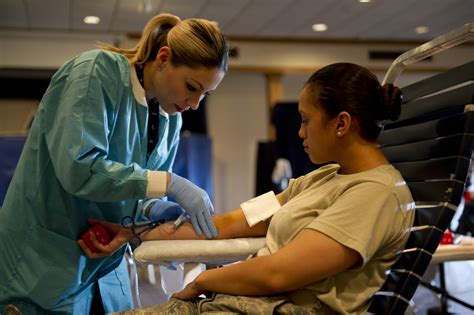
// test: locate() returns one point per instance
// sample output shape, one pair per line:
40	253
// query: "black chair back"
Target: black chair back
431	145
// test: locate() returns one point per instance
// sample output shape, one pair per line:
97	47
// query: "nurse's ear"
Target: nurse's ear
163	56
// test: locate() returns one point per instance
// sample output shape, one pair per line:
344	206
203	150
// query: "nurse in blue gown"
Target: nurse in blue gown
96	149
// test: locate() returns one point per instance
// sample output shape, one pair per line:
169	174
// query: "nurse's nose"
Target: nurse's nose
193	102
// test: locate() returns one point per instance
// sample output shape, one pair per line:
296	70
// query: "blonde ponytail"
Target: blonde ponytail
154	36
193	43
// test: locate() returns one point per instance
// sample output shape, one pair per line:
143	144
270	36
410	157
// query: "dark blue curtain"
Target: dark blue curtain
10	149
194	160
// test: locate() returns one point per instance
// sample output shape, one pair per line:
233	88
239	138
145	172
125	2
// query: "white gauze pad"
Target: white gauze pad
260	208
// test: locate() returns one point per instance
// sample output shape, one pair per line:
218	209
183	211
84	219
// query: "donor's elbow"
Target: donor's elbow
277	282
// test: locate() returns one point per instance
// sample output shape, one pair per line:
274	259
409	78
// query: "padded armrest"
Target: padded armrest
218	252
462	251
209	252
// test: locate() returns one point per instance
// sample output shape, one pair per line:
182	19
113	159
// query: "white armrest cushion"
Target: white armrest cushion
462	251
211	252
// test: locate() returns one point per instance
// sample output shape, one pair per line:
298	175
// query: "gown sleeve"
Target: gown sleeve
80	115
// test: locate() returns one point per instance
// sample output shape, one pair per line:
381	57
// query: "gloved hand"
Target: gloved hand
195	202
282	170
163	210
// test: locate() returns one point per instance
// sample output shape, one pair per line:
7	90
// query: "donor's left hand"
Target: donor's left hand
191	291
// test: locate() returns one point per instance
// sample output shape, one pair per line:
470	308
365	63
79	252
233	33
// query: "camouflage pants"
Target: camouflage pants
229	304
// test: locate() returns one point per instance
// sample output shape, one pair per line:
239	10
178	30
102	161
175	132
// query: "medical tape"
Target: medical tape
260	208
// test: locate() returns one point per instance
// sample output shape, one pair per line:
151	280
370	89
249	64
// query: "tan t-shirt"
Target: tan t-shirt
369	212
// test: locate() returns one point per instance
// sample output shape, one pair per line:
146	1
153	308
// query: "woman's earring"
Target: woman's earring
339	133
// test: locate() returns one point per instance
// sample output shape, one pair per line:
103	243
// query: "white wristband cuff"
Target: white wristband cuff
156	184
260	208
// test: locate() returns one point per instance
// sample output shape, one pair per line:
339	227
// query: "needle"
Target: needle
179	221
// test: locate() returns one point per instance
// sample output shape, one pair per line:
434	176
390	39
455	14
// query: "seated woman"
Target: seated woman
339	228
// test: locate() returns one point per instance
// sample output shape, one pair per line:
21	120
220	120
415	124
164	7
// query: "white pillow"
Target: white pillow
210	252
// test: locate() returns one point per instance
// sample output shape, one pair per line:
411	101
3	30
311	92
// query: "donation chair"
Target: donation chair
431	145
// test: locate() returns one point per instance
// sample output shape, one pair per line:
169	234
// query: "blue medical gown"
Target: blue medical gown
85	157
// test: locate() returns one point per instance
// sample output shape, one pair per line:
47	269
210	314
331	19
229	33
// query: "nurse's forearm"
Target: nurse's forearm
229	225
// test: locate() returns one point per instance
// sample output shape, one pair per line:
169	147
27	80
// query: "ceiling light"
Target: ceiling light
320	27
365	1
422	29
92	19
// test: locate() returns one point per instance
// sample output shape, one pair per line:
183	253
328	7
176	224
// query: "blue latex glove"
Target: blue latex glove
163	210
195	202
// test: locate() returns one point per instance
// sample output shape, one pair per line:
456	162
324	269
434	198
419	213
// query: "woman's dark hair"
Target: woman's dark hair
348	87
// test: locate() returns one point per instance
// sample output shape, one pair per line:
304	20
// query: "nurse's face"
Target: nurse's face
181	88
316	130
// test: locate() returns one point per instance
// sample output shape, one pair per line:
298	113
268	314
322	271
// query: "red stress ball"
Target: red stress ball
101	236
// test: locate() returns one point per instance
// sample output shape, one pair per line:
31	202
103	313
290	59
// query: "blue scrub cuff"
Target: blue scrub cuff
156	184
